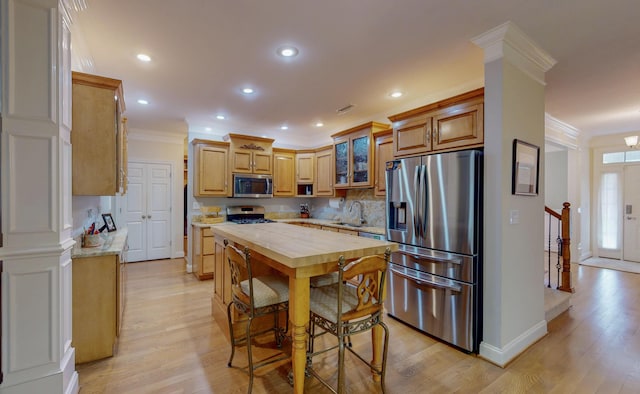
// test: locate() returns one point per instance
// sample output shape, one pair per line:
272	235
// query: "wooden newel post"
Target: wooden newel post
566	249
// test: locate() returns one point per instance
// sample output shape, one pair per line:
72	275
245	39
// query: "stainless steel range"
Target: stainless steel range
434	210
247	214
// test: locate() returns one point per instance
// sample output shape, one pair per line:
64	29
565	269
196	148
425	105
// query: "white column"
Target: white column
37	356
513	292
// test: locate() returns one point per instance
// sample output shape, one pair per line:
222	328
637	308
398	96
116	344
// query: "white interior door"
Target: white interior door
149	211
631	210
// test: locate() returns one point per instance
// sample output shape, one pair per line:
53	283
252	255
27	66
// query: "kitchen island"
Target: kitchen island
300	253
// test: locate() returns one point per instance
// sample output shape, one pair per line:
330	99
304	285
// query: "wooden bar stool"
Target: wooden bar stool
351	306
255	297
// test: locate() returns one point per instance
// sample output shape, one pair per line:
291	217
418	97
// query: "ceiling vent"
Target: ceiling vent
345	109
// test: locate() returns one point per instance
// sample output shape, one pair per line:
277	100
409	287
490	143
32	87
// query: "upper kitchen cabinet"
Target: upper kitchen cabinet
211	171
324	171
383	154
451	124
305	167
284	176
353	155
250	155
98	136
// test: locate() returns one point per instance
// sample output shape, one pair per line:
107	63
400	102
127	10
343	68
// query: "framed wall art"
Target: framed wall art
526	163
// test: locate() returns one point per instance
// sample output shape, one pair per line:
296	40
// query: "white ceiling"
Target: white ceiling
351	52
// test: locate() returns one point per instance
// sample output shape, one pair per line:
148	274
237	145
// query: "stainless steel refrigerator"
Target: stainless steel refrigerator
434	211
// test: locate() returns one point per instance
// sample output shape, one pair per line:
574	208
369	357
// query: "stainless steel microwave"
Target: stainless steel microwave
252	186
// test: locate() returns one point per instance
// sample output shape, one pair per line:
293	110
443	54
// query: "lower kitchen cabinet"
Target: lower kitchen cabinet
202	257
221	277
98	295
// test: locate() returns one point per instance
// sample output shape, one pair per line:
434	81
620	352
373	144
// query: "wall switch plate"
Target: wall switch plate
514	216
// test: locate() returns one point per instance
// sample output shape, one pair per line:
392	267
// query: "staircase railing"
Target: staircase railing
563	243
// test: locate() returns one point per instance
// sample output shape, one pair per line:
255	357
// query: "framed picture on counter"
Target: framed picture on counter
108	222
526	162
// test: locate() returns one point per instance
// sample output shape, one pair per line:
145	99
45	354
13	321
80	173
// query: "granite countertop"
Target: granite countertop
334	223
113	244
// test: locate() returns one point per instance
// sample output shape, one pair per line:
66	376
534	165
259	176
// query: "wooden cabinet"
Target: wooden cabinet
123	159
324	172
451	124
203	254
353	155
211	174
284	184
305	167
98	136
412	136
98	293
250	155
383	153
459	126
221	277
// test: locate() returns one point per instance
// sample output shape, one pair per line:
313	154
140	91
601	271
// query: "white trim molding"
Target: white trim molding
560	132
508	41
502	356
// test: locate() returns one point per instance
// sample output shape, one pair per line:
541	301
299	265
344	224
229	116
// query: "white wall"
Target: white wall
158	147
555	183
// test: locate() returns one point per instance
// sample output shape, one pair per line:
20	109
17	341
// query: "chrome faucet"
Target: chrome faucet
361	220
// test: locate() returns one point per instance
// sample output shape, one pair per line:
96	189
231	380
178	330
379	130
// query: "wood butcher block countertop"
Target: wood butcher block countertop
297	247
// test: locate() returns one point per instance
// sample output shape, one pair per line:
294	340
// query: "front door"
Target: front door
149	211
631	211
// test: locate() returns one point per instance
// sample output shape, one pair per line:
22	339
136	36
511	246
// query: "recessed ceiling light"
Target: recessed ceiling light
287	51
264	136
207	128
395	94
143	102
284	127
221	117
143	57
319	124
247	90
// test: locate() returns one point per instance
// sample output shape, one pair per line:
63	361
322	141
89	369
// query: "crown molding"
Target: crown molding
560	132
509	42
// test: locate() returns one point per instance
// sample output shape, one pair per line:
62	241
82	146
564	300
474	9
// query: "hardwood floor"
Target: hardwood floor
171	344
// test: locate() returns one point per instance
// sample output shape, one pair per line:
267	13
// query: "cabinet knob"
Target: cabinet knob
144	217
148	216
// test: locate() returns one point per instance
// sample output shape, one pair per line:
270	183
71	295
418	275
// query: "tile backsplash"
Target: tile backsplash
289	208
374	208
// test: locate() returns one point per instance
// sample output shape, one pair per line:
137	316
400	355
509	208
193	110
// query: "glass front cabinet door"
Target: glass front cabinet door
341	154
353	155
360	174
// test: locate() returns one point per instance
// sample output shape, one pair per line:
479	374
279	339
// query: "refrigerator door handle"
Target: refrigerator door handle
417	224
433	258
426	283
425	197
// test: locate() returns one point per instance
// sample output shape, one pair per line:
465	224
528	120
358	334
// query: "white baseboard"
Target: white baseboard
179	255
502	356
74	384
